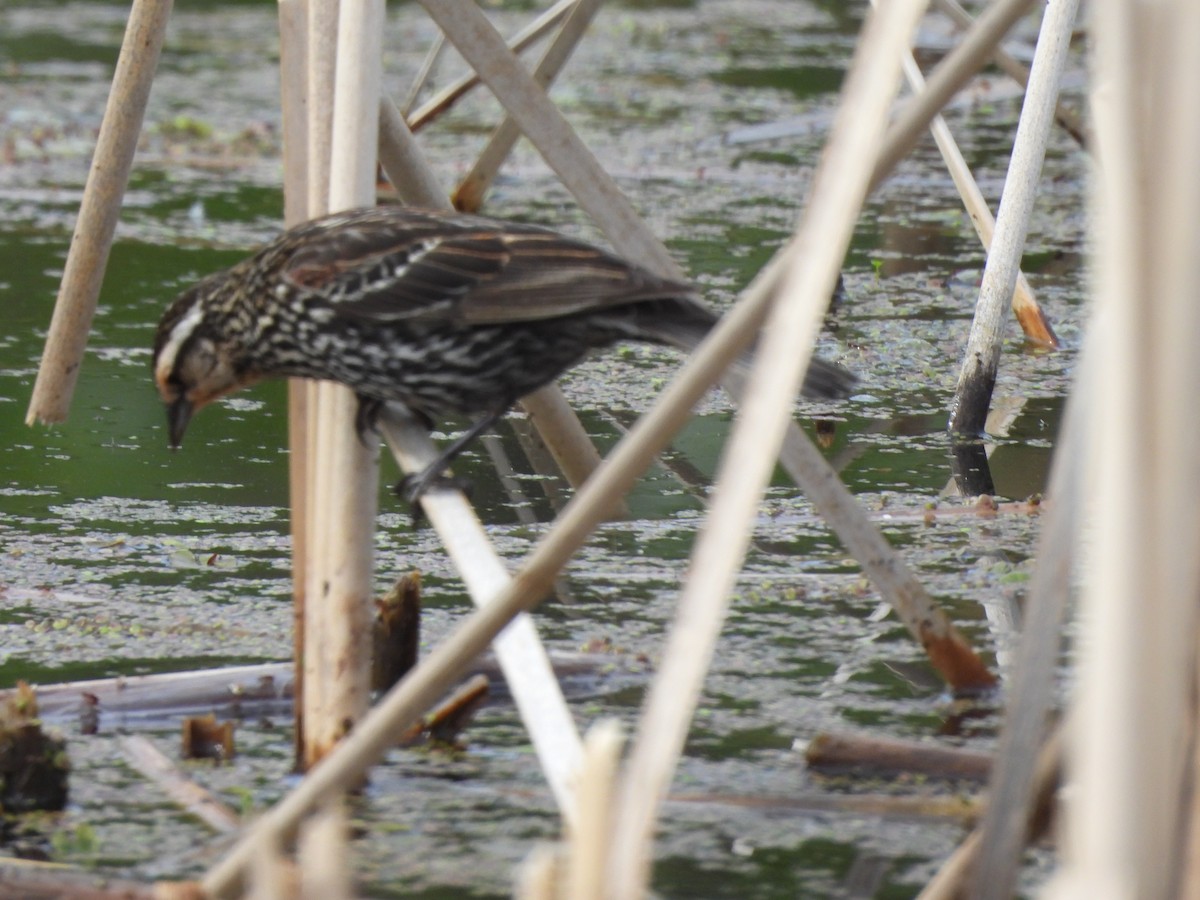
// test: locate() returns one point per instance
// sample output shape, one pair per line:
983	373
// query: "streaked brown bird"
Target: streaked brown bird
441	312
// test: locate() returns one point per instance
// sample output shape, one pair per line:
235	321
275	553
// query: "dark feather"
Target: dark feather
395	264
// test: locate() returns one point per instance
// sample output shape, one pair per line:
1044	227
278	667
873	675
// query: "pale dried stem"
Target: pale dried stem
323	853
321	30
1018	72
957	875
404	163
423	74
979	212
446	97
346	469
839	188
293	71
947	78
87	258
1130	756
1031	691
981	359
475	184
520	652
588	841
193	798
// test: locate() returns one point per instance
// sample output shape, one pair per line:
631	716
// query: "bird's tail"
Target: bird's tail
683	323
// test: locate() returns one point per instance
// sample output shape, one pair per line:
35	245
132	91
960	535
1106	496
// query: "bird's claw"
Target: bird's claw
412	487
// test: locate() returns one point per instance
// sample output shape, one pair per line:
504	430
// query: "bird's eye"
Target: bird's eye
196	365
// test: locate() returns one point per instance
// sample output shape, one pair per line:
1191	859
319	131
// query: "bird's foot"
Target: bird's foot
414	486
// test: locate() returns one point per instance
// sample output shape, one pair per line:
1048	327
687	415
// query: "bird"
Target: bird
444	313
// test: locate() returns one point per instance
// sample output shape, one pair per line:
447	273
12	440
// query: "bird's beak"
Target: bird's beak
179	413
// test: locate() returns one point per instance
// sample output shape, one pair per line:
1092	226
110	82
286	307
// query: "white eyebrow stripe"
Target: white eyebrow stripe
181	332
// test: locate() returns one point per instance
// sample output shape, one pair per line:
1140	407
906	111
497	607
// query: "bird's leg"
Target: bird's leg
366	417
412	486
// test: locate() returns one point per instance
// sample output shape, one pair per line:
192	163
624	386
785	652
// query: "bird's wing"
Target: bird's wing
462	269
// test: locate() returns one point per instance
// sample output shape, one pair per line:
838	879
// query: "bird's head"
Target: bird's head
197	355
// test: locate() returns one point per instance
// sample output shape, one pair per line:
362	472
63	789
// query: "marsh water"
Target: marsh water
121	557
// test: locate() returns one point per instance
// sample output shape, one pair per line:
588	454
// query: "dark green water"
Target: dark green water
122	557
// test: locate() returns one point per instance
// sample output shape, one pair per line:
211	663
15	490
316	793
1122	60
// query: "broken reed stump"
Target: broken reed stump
396	632
33	763
206	738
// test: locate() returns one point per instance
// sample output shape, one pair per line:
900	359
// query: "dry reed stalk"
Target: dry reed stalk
885	756
22	879
587	842
958	876
323	854
446	97
315	667
469	194
348	475
602	199
540	120
293	96
272	877
193	798
238	691
403	162
321	30
299	480
423	74
522	657
981	359
1031	691
963	809
96	224
1030	316
947	78
168	693
293	79
948	650
1130	755
446	721
1018	72
1189	870
839	188
537	879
